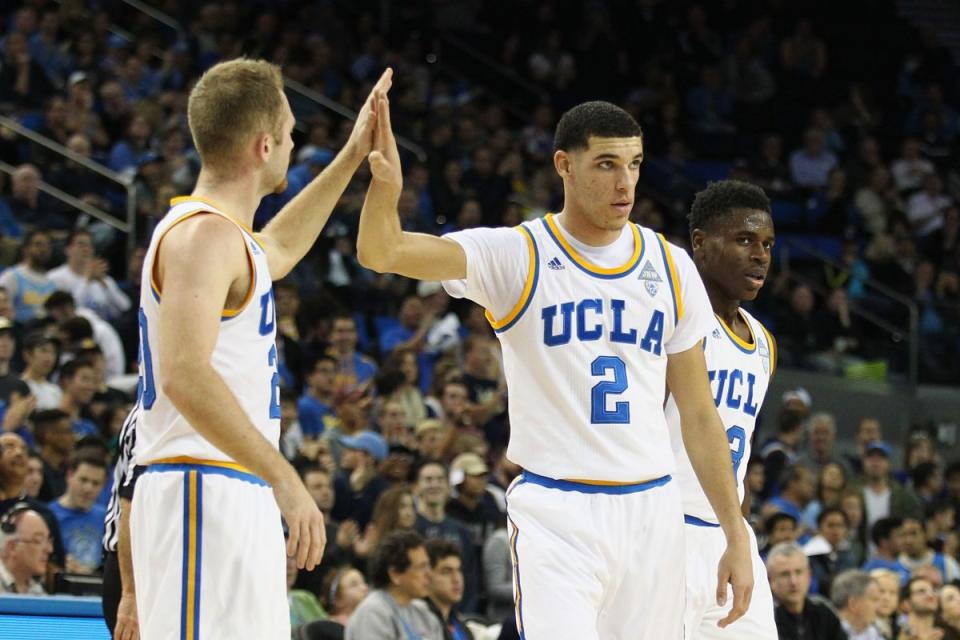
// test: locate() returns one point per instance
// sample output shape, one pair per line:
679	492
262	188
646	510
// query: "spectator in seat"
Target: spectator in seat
395	609
25	547
856	596
914	552
810	165
28	283
86	277
446	588
61	307
40	357
799	616
81	519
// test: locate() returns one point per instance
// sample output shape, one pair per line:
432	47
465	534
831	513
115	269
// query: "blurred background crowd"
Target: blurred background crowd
393	396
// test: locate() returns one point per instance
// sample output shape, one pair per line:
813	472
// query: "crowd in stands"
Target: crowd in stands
393	402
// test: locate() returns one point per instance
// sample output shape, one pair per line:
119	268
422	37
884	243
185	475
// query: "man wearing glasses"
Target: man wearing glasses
25	547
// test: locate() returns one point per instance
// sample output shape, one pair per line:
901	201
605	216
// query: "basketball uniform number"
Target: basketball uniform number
739	436
599	414
274	384
146	385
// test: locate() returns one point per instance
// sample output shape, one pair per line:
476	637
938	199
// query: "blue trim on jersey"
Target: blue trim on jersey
673	295
697	522
643	249
199	557
533	287
206	468
582	487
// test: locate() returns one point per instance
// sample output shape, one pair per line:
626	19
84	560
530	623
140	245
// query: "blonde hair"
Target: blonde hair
232	102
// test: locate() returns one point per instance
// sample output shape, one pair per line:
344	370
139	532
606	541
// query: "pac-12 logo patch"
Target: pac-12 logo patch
651	279
764	355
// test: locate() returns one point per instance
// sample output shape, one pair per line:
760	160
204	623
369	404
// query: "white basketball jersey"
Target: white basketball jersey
585	360
739	375
245	355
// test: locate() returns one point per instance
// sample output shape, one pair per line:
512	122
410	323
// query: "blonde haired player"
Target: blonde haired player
208	550
732	235
594	314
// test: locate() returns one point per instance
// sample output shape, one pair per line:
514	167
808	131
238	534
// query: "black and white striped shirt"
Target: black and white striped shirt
124	477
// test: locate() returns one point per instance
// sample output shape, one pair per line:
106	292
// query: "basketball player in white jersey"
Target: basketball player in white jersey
208	550
732	236
594	314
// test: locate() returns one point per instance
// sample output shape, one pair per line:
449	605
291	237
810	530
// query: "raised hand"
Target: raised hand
362	137
385	159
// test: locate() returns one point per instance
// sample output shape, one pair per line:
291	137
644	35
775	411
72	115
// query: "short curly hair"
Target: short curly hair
393	552
722	198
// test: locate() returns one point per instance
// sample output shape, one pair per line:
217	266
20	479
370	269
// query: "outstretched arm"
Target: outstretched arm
289	236
381	244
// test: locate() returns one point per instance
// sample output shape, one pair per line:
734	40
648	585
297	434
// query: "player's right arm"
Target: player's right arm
198	263
381	244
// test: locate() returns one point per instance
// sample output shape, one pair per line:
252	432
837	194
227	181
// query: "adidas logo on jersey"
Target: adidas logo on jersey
555	264
651	279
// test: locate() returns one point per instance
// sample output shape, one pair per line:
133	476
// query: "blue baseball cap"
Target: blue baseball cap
372	443
879	446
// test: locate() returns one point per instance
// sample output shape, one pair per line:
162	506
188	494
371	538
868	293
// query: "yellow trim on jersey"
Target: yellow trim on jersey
607	483
210	463
527	287
181	199
227	312
589	266
153	279
773	349
674	280
749	346
191	568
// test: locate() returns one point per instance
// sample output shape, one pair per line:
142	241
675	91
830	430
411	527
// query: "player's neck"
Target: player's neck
577	225
725	307
237	197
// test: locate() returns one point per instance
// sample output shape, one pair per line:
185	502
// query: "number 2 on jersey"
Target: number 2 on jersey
737	435
599	414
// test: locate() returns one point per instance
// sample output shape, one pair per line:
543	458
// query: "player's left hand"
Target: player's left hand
361	138
735	569
128	625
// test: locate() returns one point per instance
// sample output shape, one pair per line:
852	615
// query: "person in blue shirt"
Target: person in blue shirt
315	406
353	368
80	518
798	491
883	534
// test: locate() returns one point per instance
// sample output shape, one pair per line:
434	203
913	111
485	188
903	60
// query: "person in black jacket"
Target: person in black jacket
798	615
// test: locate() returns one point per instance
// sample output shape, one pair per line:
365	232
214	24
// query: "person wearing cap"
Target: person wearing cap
472	504
869	429
86	276
883	496
40	356
359	484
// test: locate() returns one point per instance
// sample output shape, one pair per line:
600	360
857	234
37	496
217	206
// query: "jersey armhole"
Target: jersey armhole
672	277
227	313
533	274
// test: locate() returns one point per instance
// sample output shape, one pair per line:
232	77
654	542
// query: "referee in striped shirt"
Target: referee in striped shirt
119	600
